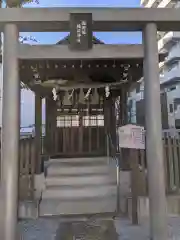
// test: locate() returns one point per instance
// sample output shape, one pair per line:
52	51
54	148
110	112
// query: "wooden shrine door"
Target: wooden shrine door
80	135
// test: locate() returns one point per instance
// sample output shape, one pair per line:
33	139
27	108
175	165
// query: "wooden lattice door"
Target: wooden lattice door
79	134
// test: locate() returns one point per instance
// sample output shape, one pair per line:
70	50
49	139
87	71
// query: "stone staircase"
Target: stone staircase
79	186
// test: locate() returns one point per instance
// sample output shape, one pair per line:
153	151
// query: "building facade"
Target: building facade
169	70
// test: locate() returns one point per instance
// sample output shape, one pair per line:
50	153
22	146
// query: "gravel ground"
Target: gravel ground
39	229
44	229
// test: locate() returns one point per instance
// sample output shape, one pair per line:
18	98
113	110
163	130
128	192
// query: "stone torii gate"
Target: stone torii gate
149	21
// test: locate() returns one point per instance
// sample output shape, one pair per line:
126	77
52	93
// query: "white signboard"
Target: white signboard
131	136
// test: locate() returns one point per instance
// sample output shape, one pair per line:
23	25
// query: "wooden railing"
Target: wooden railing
27	168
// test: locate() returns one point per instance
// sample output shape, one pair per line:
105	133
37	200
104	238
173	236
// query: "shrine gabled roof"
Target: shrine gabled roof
113	64
66	40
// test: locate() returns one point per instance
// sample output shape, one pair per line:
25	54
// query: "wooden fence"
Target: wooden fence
171	151
27	168
171	145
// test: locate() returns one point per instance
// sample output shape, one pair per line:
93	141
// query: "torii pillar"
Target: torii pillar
154	147
10	132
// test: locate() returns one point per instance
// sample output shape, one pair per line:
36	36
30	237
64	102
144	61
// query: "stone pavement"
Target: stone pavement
45	229
127	231
39	229
93	229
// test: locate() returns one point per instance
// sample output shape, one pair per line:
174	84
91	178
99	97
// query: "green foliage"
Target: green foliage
18	3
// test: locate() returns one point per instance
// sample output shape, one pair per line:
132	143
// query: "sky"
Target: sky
27	98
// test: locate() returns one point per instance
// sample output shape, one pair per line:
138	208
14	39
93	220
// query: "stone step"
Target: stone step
78	170
50	207
77	193
76	164
80	180
93	159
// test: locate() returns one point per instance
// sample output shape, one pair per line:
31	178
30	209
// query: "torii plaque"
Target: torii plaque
81	33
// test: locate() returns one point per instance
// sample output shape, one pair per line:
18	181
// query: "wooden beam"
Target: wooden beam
104	19
99	51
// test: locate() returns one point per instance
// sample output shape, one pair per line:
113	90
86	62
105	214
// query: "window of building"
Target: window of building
174	46
68	121
173	65
73	120
171	89
175	106
161	72
96	120
171	108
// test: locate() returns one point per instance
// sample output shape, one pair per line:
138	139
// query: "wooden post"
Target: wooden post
51	125
123	106
80	131
134	184
123	120
113	122
38	132
107	125
47	128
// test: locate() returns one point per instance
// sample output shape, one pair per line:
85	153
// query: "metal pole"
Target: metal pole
154	147
10	132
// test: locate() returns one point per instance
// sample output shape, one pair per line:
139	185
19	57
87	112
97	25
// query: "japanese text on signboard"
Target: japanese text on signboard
81	30
131	136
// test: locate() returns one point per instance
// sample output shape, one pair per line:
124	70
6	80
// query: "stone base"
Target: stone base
173	206
39	182
84	207
125	189
28	210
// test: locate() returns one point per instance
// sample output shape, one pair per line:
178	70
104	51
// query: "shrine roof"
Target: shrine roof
49	66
